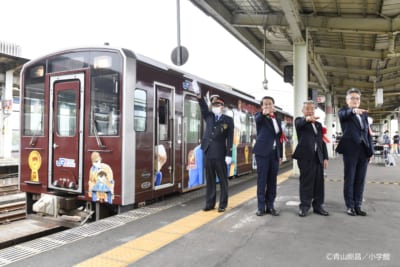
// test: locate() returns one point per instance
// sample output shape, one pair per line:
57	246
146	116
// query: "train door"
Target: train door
164	149
66	132
192	153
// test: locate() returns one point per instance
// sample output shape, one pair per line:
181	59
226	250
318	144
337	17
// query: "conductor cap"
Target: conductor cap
353	90
217	101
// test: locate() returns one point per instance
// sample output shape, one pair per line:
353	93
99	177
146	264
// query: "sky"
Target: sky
148	27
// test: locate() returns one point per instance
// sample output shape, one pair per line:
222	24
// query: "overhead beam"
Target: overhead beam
279	48
354	24
360	84
366	72
256	20
292	15
355	53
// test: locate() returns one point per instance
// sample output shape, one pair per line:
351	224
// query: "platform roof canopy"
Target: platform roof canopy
9	62
350	43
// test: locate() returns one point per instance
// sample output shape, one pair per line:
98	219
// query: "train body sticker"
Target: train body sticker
101	180
65	162
161	159
195	167
34	161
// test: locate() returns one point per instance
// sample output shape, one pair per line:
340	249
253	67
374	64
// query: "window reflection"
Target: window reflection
193	119
34	110
163	121
140	110
66	113
105	105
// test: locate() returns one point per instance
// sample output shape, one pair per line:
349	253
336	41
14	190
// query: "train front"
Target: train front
71	134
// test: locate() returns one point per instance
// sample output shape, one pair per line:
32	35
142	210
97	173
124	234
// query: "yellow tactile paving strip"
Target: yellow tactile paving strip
138	248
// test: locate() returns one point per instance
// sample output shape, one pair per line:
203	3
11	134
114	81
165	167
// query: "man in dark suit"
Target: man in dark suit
356	147
268	153
312	158
217	146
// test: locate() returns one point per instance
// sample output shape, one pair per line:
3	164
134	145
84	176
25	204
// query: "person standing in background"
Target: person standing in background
396	141
268	153
357	149
312	158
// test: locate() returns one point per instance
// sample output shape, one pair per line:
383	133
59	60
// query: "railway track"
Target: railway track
12	202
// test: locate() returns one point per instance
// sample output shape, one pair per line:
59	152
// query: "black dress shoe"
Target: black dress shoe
260	213
351	212
303	213
273	212
207	209
360	212
321	211
221	209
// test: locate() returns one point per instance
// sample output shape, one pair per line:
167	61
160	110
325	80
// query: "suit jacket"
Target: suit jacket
218	137
353	134
307	139
266	136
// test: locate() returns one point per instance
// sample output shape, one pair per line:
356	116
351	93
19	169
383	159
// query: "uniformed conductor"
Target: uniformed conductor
217	146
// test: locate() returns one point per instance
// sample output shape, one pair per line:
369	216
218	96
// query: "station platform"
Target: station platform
10	161
176	232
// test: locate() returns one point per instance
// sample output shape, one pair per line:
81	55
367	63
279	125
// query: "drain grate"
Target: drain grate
64	237
94	228
39	245
15	253
122	219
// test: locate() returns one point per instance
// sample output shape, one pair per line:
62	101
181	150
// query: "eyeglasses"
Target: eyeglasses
355	98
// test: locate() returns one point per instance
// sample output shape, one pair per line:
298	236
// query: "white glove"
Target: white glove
228	160
195	87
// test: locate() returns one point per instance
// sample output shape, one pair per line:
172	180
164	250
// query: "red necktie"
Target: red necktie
272	116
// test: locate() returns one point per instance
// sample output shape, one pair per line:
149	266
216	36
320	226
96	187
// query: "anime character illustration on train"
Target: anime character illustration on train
101	180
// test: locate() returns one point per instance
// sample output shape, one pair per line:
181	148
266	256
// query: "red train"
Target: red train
104	130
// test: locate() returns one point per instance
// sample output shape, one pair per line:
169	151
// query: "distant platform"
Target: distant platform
9	162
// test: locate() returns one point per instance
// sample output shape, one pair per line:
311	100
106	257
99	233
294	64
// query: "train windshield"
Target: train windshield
34	95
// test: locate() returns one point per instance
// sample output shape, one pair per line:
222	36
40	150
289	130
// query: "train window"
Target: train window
71	61
34	109
192	117
163	121
66	113
33	100
140	108
244	131
105	105
248	128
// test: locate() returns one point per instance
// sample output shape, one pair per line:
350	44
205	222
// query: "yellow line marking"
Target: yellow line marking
138	248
